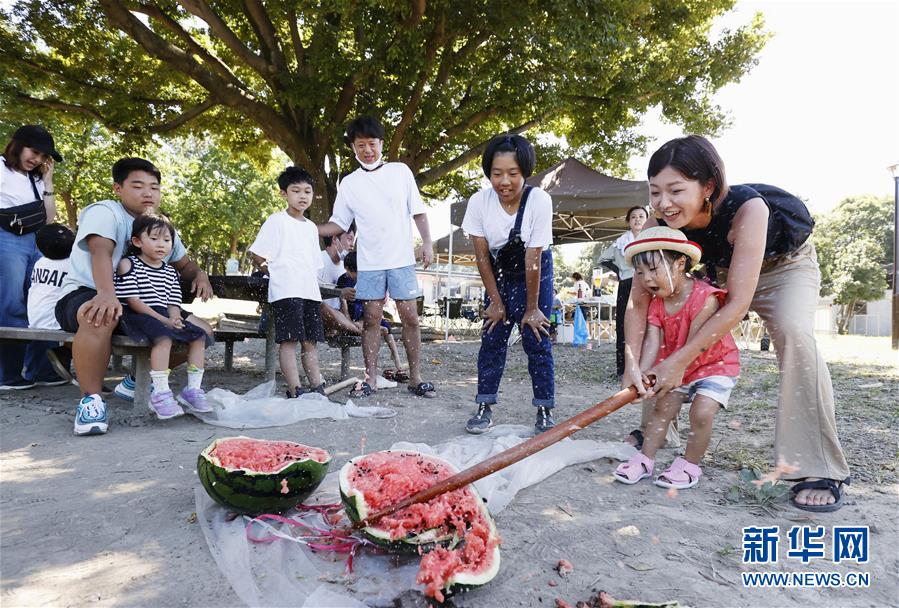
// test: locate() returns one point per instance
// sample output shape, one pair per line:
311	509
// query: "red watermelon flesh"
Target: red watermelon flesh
263	456
475	555
384	478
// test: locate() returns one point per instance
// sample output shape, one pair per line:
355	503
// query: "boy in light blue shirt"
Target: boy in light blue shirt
89	306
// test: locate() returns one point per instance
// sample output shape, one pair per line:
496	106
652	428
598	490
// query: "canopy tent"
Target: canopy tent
587	205
462	248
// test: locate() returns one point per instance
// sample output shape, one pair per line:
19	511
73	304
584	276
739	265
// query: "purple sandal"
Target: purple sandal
637	468
682	474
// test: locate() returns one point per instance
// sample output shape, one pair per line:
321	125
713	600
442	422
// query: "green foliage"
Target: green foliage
855	244
217	200
561	270
750	490
444	75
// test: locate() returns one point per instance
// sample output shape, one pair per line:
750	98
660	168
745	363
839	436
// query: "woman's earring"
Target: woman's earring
707	205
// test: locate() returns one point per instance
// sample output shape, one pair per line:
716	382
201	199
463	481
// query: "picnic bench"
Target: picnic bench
121	346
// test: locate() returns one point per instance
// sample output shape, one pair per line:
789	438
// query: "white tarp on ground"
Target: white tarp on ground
285	573
260	408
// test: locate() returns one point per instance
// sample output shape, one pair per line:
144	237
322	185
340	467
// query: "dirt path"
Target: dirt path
109	520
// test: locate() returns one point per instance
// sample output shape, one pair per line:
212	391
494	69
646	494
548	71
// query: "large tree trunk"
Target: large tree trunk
71	210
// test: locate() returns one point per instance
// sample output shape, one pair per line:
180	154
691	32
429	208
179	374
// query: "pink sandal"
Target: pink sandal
681	475
637	468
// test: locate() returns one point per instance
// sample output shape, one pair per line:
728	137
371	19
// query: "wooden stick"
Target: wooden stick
510	456
342	384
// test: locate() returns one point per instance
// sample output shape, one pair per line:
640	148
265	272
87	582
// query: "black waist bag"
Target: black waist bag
508	261
27	218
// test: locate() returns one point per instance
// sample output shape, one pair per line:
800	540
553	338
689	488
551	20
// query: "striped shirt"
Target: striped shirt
153	286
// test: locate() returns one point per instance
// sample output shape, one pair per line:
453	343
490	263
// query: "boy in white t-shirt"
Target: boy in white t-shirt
55	243
287	249
382	198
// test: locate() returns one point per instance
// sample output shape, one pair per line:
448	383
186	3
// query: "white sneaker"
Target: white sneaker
385	383
90	416
125	389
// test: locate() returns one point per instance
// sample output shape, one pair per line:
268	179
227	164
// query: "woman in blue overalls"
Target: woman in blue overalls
510	225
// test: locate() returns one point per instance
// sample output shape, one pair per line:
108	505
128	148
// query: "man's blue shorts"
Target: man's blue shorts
400	283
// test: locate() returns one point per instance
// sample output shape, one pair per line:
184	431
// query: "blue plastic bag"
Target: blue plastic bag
581	335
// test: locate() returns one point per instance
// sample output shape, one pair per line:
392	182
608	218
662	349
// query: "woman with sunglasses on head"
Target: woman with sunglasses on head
755	243
27	204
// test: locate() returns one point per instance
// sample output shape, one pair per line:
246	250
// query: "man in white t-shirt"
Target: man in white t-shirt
383	199
336	248
287	249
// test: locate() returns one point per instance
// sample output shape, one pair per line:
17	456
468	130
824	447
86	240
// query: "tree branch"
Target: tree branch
457	129
273	124
435	173
434	42
202	10
418	11
266	32
153	10
169	125
298	49
55	72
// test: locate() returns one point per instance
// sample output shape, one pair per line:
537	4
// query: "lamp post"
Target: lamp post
894	171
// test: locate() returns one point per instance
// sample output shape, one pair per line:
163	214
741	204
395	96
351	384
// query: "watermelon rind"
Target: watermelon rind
251	492
357	510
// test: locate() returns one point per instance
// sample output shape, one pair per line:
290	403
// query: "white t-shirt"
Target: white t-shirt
486	217
15	188
45	291
290	246
329	273
382	203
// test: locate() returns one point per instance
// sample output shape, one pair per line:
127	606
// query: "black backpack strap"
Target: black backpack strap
520	215
37	196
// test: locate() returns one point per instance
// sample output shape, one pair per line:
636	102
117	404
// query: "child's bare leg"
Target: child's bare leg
310	364
702	415
287	356
196	353
159	354
176	359
665	411
391	346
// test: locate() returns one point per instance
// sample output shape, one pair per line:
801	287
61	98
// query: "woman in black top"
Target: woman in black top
757	246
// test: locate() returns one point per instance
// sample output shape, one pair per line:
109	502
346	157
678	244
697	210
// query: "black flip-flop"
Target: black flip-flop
424	389
637	434
820	484
365	390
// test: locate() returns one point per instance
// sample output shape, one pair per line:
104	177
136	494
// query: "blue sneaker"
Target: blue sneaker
90	416
125	388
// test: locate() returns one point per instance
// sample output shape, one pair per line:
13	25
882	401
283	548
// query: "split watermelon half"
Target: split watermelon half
253	476
454	531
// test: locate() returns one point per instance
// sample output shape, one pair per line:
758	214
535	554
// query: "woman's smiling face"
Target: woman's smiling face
677	199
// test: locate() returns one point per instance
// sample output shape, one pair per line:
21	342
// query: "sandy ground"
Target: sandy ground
110	521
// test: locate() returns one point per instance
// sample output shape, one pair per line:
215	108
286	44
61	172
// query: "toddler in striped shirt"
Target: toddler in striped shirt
151	311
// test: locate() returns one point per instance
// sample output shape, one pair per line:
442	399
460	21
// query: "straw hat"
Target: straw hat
663	237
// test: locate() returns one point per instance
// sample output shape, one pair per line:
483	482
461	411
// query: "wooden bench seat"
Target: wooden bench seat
121	346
